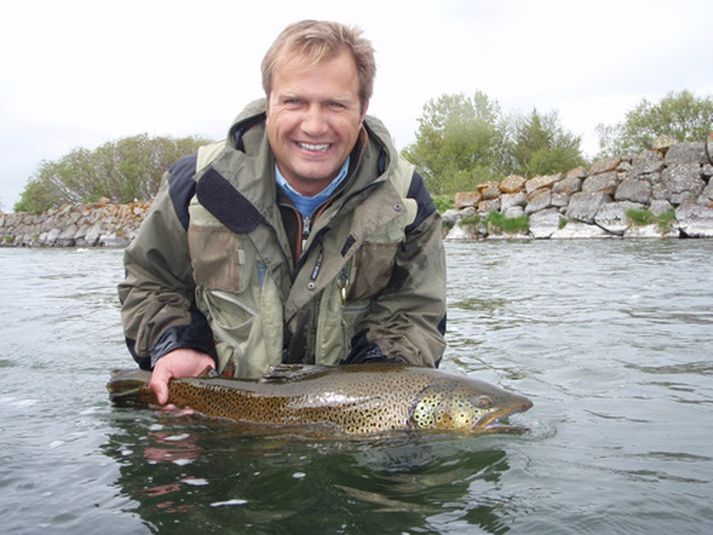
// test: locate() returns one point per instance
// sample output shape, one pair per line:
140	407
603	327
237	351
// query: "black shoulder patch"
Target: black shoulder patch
181	186
227	204
417	190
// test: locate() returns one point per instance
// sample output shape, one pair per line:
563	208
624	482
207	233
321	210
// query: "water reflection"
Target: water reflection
185	474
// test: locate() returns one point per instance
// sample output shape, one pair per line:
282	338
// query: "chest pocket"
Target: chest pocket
375	260
220	259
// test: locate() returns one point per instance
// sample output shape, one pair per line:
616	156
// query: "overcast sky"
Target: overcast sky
80	73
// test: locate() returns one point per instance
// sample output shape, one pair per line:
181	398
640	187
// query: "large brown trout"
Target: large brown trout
356	400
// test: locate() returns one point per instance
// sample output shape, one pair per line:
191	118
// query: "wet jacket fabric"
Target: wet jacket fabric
224	264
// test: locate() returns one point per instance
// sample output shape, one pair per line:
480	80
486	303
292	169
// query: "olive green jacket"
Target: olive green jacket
215	267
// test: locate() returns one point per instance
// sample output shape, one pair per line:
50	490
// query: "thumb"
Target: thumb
159	384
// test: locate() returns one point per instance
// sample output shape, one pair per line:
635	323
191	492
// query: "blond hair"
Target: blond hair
318	41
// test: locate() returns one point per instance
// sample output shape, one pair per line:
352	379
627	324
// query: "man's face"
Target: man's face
314	116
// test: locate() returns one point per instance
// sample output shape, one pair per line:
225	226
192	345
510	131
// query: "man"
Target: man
303	238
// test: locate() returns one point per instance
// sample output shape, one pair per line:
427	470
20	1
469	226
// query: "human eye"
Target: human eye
337	105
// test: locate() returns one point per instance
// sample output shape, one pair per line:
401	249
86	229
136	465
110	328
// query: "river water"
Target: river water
612	340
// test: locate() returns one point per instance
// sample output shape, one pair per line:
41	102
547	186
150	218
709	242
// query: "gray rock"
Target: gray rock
514	211
695	220
647	162
576	230
706	195
51	237
492	205
612	216
634	190
577	172
459	232
604	165
539	201
508	200
660	206
540	182
560	200
682	182
686	153
66	237
606	182
650	231
568	185
93	234
545	223
584	206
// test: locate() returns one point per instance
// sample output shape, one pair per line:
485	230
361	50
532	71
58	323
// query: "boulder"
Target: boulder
695	220
576	230
577	172
459	232
570	184
545	223
508	200
512	184
604	165
682	182
634	190
584	206
560	200
650	231
464	199
513	211
606	182
686	153
492	205
649	161
489	190
539	200
540	182
660	206
612	216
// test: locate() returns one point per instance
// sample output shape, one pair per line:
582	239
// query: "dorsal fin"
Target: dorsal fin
290	373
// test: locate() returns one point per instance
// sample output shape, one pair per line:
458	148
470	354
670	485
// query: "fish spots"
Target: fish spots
357	400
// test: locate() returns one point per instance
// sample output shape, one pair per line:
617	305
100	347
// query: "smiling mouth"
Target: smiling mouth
315	147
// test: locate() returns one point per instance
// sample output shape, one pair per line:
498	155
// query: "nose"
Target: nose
314	122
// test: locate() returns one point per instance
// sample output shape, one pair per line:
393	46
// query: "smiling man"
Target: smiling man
301	238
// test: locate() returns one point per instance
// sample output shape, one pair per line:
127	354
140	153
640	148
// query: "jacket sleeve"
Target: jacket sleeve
158	310
407	320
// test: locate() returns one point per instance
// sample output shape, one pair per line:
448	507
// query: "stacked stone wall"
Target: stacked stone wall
671	183
101	224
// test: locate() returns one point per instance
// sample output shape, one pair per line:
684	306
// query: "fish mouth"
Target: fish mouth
494	422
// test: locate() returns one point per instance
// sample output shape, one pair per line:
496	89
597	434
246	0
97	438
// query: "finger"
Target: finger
160	387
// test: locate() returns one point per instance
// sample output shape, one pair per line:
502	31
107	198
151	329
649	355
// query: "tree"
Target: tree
538	145
121	171
458	143
682	116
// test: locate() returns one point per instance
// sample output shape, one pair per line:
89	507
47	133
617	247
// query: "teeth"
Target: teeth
319	148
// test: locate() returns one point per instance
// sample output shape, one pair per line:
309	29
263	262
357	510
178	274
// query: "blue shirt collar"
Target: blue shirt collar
304	203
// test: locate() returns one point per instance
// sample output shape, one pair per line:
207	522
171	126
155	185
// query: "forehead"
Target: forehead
293	67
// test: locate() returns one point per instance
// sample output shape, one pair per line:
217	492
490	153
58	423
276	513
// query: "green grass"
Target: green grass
471	220
508	225
645	217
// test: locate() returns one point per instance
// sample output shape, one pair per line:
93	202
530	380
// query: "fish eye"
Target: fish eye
484	402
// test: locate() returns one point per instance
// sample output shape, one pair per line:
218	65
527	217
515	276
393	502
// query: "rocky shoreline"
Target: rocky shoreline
100	224
665	192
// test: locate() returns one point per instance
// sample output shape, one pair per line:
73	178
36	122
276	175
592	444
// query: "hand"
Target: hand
177	363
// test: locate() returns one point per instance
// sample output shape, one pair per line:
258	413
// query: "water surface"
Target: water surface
612	340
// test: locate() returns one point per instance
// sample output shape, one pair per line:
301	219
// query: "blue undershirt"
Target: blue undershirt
305	204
